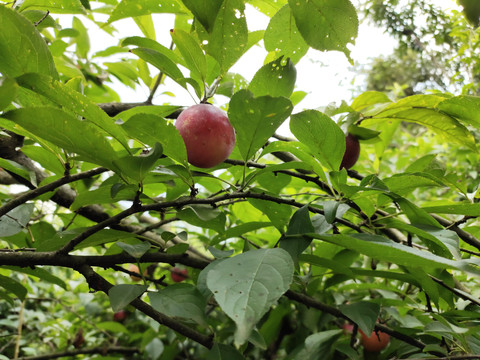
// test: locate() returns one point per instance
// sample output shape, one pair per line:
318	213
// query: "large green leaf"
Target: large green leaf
133	8
8	90
192	53
468	209
300	224
152	45
23	48
138	167
363	313
326	24
73	101
67	132
39	273
228	38
122	295
283	37
383	249
203	216
54	6
247	285
256	119
321	134
465	108
180	300
318	345
223	352
276	78
422	109
15	220
205	11
13	286
150	129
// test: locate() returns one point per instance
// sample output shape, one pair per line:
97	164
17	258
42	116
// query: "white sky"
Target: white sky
325	76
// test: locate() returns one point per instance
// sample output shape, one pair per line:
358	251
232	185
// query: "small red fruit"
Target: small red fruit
120	316
208	135
347	328
352	152
178	275
376	342
134	268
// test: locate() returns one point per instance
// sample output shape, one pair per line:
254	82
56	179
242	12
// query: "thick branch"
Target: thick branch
32	194
98	283
31	258
96	350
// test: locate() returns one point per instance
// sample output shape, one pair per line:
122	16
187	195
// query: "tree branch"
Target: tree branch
32	194
98	283
96	350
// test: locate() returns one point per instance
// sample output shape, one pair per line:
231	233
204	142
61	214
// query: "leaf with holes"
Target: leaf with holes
247	285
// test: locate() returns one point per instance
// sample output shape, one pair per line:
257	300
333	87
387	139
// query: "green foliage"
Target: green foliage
281	248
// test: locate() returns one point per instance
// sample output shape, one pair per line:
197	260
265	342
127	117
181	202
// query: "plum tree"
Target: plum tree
208	135
352	152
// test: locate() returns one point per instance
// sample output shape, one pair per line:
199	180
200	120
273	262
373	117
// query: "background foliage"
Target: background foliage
282	249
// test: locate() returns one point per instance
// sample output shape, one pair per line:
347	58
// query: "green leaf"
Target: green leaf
467	209
15	220
135	250
278	214
421	109
150	129
465	108
133	8
318	345
203	216
73	101
256	119
146	26
122	295
192	53
383	249
276	78
239	230
152	45
13	286
82	40
282	36
54	6
299	224
334	265
363	313
321	134
103	195
18	169
180	301
369	99
67	132
247	285
223	352
205	11
163	63
138	167
326	24
8	91
228	38
23	48
39	273
112	326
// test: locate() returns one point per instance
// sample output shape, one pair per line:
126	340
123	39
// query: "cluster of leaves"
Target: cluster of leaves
282	248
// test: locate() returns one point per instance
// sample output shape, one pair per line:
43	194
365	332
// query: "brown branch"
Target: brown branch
114	108
12	204
97	350
465	236
51	258
311	302
98	283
